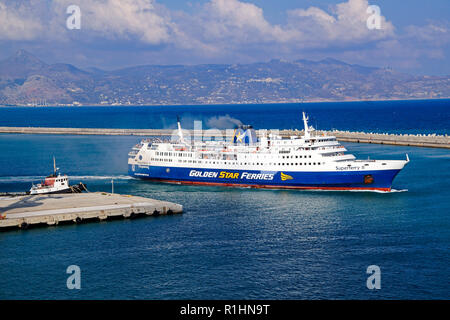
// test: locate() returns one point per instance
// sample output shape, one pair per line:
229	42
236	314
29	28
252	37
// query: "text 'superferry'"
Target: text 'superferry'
310	161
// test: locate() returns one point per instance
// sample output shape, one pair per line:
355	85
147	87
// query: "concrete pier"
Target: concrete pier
430	140
25	211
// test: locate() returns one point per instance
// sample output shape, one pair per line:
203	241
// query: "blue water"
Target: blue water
230	243
425	116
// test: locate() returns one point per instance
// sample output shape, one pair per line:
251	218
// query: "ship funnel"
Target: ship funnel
245	134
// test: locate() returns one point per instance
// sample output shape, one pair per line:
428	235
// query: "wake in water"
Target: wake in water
400	190
380	191
322	190
356	190
39	178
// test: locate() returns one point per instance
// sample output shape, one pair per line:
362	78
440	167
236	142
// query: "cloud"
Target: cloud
236	20
217	31
137	20
345	24
434	33
220	26
18	22
239	29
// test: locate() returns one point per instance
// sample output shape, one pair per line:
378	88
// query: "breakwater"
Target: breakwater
419	140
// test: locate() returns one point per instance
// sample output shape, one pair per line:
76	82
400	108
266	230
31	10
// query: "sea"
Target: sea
233	243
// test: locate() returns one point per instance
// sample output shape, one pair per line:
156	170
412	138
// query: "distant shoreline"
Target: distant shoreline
216	104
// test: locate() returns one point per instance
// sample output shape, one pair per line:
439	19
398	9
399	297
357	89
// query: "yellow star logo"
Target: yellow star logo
285	177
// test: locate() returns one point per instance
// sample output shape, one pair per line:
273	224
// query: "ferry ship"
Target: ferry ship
308	161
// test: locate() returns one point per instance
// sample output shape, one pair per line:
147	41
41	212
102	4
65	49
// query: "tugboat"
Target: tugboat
56	183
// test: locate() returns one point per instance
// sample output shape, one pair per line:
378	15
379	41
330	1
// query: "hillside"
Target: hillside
26	80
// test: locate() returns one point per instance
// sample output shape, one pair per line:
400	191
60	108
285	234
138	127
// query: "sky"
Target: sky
409	36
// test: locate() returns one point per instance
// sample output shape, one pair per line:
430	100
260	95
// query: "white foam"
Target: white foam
379	191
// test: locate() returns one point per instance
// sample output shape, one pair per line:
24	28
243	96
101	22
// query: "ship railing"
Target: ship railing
332	149
344	157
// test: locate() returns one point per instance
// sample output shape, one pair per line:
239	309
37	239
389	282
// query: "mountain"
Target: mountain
21	65
26	80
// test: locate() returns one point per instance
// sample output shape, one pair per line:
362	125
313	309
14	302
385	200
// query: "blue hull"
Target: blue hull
345	180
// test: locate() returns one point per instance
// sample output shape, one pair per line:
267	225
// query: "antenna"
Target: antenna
54	165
